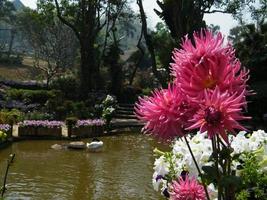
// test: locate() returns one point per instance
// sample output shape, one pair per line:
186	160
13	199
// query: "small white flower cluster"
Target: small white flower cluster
250	143
109	100
170	165
179	160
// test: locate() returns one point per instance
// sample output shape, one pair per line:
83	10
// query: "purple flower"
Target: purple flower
41	123
5	127
90	122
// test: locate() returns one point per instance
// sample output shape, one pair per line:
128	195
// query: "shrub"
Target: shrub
10	117
63	109
31	96
3	136
11	59
36	115
68	85
71	121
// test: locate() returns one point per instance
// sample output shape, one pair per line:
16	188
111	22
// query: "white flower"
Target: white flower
161	167
212	191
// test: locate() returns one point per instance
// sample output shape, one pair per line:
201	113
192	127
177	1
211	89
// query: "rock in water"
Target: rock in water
77	145
56	147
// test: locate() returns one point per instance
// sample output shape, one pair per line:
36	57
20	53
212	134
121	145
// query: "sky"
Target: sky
225	21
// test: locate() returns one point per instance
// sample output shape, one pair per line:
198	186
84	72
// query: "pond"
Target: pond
123	170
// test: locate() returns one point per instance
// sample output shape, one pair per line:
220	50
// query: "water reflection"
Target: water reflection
122	171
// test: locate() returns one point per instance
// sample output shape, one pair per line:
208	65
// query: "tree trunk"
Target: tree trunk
11	42
89	70
150	45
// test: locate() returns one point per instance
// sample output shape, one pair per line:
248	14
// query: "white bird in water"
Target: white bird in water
95	146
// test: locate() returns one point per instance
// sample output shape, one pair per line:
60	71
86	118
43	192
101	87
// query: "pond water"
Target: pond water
123	170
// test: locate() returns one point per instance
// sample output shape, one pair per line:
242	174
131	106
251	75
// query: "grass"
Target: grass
24	72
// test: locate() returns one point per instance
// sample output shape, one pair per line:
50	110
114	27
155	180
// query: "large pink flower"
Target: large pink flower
219	112
188	189
165	113
207	64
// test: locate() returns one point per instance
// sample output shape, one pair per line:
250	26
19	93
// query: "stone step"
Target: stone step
124	123
118	126
124	112
124	116
126	105
125	109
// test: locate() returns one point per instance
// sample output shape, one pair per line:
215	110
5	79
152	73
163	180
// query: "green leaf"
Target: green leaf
225	153
231	181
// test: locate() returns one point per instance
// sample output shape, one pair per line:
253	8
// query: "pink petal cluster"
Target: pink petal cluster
165	113
207	64
188	189
219	113
209	91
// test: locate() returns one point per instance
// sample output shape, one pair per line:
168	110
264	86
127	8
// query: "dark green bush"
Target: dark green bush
68	85
63	109
11	59
31	96
37	115
71	121
257	105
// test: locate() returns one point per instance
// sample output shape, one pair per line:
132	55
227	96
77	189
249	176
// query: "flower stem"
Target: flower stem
198	169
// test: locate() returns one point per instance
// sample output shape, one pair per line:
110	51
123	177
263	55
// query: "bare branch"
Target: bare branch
217	11
64	21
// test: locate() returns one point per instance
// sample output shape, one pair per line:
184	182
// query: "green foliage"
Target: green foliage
243	195
10	59
68	85
109	101
11	117
109	108
164	45
61	109
37	115
6	8
3	136
146	91
250	43
71	121
112	61
254	180
31	96
53	44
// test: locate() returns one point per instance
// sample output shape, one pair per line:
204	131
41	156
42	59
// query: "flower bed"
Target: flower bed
7	129
40	128
89	128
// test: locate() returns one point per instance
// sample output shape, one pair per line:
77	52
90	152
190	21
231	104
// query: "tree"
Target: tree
7	16
149	43
111	60
186	16
6	10
54	44
164	45
86	18
250	42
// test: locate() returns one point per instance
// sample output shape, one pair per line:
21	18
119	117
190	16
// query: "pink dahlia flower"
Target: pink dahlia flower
188	189
207	64
219	113
165	113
